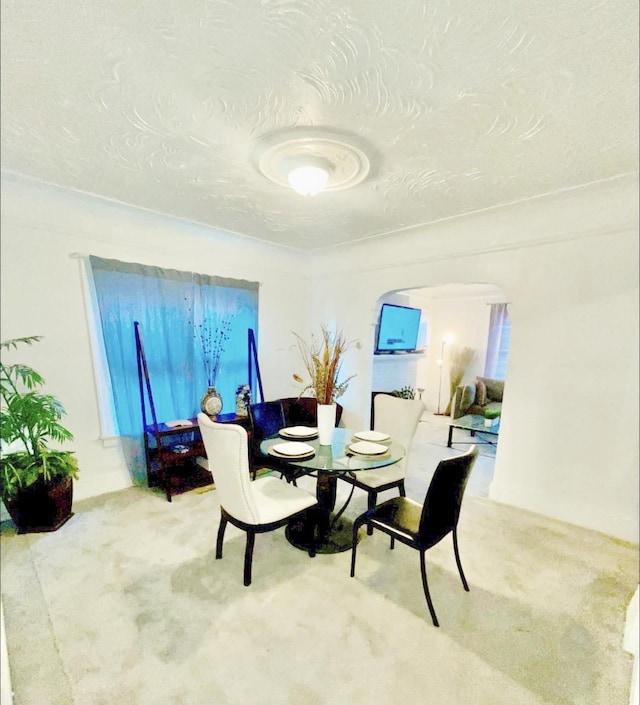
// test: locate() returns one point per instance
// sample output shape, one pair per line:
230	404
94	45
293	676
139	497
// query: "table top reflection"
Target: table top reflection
337	458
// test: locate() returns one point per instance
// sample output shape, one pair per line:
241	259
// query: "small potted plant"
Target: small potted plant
404	393
491	417
36	481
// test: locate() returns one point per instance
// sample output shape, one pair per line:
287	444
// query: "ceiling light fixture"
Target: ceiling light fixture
311	160
309	178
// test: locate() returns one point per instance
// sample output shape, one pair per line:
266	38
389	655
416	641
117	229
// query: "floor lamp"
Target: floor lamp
448	338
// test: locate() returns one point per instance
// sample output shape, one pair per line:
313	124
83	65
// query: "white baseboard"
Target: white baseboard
87	487
557	507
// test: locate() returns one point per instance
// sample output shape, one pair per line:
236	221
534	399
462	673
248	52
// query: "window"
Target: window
498	344
175	310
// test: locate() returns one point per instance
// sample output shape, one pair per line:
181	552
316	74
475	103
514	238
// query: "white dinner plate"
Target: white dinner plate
367	448
373	436
301	432
292	449
305	456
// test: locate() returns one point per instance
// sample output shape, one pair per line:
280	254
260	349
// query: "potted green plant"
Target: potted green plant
404	393
36	481
491	417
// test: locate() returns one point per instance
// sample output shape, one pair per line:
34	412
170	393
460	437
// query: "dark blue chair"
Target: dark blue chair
266	419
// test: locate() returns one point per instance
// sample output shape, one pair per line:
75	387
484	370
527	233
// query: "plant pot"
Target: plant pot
326	423
42	506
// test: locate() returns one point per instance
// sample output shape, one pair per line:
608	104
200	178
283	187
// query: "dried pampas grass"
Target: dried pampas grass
460	360
323	359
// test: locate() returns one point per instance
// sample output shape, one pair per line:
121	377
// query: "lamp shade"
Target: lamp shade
308	180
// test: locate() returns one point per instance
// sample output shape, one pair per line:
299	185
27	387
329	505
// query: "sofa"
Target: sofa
479	396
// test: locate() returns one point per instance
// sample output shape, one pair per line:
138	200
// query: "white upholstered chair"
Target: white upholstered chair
399	418
255	507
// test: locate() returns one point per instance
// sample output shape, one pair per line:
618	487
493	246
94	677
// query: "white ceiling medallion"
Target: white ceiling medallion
311	160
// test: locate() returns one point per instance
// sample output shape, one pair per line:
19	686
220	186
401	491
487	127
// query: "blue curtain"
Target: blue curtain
182	316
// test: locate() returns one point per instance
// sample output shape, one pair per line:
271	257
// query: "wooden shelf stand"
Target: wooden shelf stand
171	452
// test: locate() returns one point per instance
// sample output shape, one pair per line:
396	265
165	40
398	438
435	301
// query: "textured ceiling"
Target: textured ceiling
461	105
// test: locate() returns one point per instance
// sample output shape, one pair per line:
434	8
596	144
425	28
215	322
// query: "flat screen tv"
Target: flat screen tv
397	329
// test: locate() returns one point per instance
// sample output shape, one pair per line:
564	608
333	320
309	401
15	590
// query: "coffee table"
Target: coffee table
474	424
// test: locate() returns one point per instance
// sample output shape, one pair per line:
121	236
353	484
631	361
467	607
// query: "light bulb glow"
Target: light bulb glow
308	180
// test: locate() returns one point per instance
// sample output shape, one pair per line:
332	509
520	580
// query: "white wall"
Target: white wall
568	265
41	294
391	372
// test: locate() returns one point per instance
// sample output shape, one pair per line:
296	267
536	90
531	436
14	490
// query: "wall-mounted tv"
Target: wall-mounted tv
397	329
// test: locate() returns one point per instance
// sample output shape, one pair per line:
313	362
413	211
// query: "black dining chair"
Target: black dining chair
422	526
303	411
266	419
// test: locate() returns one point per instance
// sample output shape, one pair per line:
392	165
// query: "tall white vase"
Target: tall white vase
326	423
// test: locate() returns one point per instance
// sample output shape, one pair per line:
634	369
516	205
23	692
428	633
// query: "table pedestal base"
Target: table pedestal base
336	539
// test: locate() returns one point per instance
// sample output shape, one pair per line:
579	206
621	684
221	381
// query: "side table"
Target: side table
171	453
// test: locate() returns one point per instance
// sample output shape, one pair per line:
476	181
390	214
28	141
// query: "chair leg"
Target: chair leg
291	479
425	585
455	550
223	526
248	557
392	543
312	538
372	498
356	527
403	492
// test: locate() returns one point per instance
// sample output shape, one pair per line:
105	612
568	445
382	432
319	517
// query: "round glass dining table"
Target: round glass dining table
328	464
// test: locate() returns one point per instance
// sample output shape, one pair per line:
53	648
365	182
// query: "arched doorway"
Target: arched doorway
455	319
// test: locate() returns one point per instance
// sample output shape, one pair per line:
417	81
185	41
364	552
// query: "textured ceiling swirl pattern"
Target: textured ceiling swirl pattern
462	106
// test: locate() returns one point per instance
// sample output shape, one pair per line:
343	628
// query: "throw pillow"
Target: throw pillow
495	388
481	392
467	397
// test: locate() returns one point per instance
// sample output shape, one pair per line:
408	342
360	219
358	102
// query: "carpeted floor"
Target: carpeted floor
127	605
